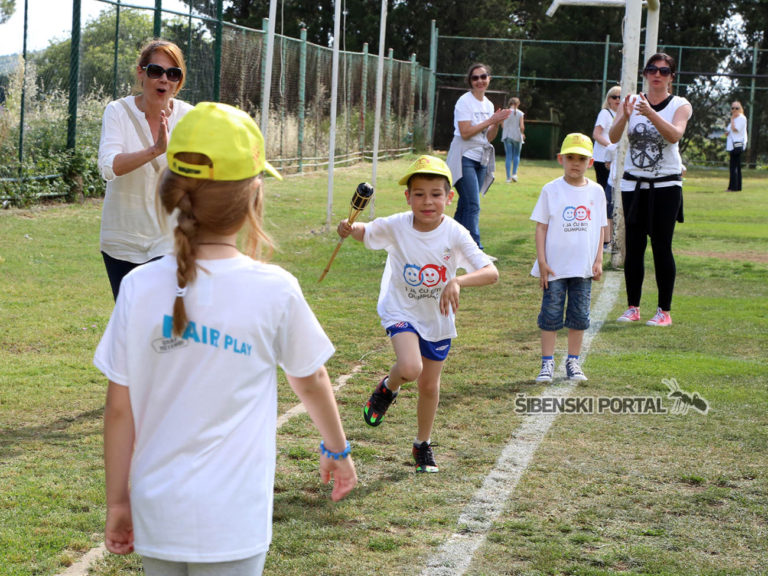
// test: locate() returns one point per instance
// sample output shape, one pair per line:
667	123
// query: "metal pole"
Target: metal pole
379	88
265	94
217	51
606	56
629	66
752	103
302	95
519	64
363	99
74	75
414	70
158	21
431	86
388	101
334	103
117	47
23	92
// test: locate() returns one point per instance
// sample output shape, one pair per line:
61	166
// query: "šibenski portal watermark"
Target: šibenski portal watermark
682	402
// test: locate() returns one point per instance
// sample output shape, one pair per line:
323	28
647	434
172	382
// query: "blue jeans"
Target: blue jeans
468	187
579	291
512	152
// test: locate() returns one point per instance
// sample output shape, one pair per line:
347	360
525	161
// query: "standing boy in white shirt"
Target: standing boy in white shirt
420	292
571	221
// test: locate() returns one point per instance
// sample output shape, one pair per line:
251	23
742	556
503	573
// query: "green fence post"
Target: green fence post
117	46
519	64
431	88
302	94
753	154
606	55
363	99
412	103
388	99
217	51
158	20
74	74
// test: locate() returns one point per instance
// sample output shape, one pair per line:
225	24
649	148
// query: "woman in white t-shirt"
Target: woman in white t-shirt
471	157
134	136
603	153
652	183
735	144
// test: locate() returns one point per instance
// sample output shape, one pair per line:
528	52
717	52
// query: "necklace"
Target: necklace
216	244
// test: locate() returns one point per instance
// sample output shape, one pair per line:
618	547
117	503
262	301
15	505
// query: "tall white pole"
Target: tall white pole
379	90
334	101
629	67
265	93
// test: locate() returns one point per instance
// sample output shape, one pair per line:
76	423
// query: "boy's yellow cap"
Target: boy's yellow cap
577	144
427	165
227	135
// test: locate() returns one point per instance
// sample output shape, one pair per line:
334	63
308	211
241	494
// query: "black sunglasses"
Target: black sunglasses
475	77
735	108
615	96
663	70
156	71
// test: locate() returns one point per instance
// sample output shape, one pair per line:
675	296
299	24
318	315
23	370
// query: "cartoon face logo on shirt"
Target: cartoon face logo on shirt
569	213
432	274
582	213
412	275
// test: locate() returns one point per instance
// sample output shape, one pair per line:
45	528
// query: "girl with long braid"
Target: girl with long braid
191	353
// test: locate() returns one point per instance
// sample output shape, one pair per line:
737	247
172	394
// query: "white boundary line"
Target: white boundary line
455	555
81	567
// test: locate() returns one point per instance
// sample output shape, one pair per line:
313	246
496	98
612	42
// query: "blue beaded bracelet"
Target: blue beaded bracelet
335	455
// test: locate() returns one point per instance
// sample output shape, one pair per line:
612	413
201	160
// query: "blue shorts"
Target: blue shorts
437	351
579	292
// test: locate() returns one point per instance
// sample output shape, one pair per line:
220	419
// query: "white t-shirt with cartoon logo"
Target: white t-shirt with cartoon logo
419	264
575	216
205	405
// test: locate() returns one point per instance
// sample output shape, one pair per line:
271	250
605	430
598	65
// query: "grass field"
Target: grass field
604	494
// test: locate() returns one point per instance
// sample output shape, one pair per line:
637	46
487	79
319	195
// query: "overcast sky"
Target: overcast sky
52	20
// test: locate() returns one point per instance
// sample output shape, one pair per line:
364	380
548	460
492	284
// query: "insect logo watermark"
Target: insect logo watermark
682	400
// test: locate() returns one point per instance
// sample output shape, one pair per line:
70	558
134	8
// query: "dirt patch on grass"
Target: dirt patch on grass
749	256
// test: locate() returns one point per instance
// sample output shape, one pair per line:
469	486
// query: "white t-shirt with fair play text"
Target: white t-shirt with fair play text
205	405
419	265
575	216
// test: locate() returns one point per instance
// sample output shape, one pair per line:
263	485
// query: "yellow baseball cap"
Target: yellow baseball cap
427	165
577	144
226	135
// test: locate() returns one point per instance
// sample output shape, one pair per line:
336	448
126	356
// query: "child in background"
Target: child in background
570	218
420	292
191	353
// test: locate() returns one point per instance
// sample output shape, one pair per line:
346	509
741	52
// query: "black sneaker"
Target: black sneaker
377	404
425	460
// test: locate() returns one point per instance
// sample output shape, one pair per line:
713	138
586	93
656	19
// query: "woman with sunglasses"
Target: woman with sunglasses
652	183
134	137
602	153
735	144
471	157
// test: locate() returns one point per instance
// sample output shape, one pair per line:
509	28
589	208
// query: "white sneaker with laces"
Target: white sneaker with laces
573	370
547	371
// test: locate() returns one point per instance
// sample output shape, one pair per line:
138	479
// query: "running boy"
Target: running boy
420	292
191	353
571	221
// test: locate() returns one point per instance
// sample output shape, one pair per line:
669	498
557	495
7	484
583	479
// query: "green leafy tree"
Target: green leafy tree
7	8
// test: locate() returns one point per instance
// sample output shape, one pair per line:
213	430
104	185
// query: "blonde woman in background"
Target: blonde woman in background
602	154
735	144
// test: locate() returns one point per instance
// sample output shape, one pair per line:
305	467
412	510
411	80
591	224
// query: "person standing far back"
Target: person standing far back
513	136
471	157
735	144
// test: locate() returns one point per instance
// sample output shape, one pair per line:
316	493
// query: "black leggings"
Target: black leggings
601	174
117	269
654	215
734	182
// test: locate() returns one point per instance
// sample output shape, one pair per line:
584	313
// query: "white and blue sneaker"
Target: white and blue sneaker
573	370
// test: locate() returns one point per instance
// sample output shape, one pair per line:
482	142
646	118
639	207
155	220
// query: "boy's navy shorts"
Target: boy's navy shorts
437	351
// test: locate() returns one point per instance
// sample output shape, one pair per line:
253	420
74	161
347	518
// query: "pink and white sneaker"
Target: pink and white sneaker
661	319
631	315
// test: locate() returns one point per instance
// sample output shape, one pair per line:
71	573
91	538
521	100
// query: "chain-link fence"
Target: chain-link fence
562	86
43	152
